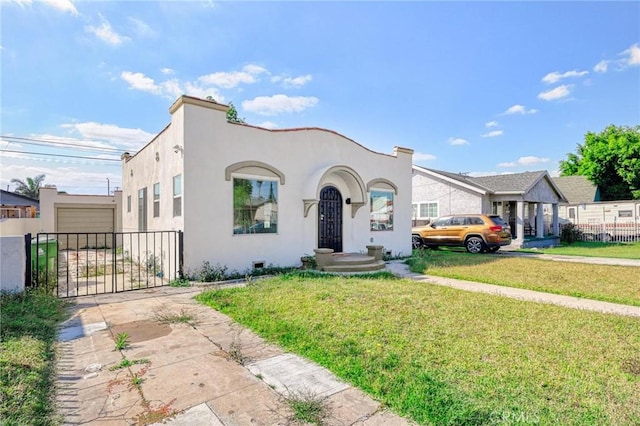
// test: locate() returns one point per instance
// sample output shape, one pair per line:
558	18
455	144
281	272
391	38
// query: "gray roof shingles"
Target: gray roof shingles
577	189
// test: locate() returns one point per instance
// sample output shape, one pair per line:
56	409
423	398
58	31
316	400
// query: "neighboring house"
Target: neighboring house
14	205
519	198
619	219
95	215
247	197
18	214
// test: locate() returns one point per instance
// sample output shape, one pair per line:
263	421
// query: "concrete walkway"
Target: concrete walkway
400	269
574	259
208	372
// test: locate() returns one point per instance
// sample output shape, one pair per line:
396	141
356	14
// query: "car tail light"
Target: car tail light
496	228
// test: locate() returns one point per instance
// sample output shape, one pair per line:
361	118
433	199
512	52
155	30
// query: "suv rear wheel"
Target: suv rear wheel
474	245
416	241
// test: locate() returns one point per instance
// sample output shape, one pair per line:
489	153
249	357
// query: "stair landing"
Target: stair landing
354	262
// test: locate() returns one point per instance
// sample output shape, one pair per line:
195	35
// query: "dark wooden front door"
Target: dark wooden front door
330	219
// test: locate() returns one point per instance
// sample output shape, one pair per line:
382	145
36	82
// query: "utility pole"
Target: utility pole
108	187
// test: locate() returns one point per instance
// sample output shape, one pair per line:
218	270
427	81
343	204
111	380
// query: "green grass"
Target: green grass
449	357
27	361
616	284
594	249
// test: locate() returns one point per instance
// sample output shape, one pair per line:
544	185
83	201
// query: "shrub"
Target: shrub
570	233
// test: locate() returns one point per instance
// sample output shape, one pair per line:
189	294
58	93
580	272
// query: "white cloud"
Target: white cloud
277	104
491	124
139	81
295	82
492	134
71	177
141	28
519	109
167	71
420	156
633	54
117	137
229	80
524	161
105	33
170	89
21	3
556	93
458	141
268	125
63	5
554	77
601	66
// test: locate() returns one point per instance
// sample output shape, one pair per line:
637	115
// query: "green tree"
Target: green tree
30	188
609	159
232	115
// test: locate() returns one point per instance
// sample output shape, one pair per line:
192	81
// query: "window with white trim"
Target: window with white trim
381	215
177	195
156	200
426	210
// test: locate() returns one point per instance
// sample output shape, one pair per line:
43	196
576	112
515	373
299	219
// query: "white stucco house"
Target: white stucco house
248	197
523	200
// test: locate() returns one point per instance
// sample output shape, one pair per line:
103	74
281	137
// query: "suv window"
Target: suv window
497	220
457	221
475	221
444	221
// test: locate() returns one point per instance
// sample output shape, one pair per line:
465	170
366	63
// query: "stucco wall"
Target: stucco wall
211	144
12	263
12	227
451	198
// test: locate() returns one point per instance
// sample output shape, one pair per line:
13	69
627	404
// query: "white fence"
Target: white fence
616	231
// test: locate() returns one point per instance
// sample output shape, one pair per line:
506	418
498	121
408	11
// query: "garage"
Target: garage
93	222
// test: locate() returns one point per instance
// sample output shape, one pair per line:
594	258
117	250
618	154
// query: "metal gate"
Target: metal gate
330	219
78	264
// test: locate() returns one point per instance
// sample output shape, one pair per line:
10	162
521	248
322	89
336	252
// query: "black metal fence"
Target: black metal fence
77	264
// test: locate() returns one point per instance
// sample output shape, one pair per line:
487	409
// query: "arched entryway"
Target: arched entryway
330	219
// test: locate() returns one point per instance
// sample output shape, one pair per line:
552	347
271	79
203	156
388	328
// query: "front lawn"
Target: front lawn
594	249
617	284
28	326
445	356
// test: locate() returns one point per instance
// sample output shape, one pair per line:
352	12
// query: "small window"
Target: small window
381	217
255	206
142	210
426	210
177	195
625	213
156	200
572	213
128	203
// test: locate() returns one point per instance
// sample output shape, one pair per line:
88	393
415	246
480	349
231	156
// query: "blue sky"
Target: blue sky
472	87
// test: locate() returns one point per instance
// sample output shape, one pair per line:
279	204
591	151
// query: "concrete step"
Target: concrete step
351	259
376	265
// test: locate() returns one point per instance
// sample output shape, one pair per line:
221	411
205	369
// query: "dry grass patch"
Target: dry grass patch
617	284
444	356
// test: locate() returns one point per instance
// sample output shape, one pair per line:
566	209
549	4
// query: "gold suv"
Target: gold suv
475	232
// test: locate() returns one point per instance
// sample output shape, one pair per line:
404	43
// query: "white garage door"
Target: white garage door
85	220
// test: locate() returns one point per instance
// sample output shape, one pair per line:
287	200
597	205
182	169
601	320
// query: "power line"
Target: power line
60	155
45	142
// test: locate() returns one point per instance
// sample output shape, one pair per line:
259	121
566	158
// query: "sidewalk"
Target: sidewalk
574	259
192	370
402	270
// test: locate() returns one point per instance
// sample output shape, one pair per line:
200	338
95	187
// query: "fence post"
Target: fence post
27	251
180	254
